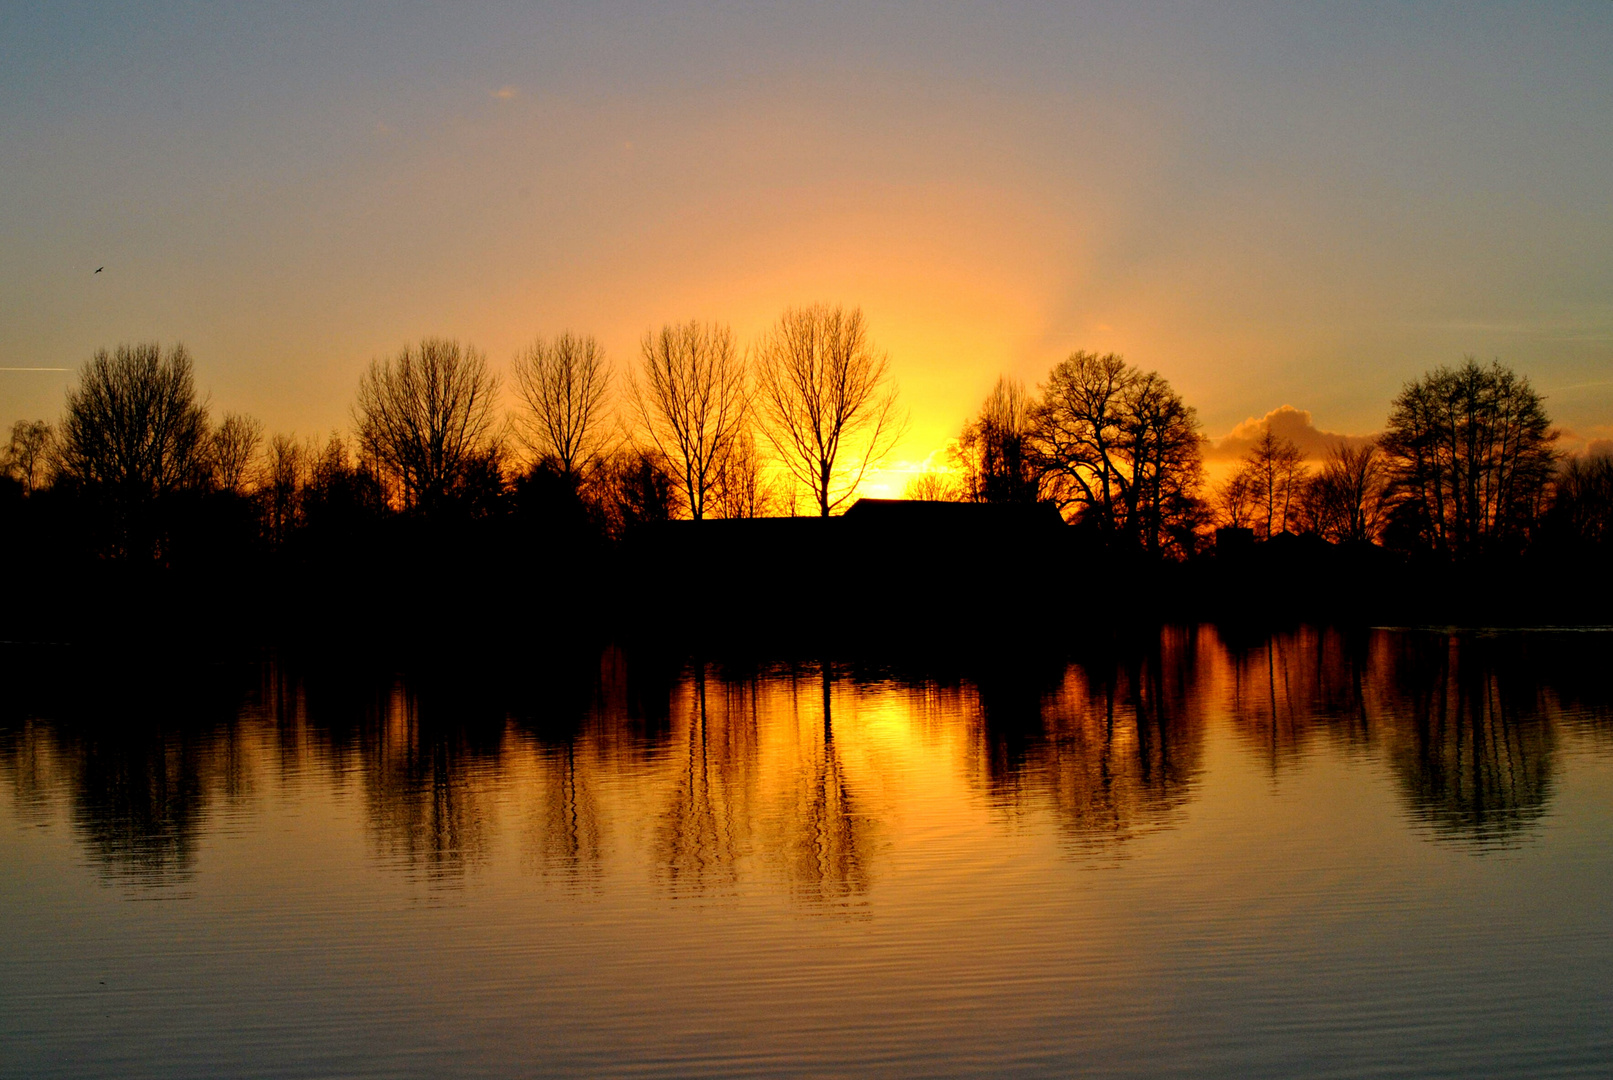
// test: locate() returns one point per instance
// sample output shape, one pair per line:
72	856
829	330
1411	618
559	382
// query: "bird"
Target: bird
98	269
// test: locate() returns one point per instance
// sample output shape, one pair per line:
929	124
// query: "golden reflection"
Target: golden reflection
827	842
719	778
567	839
428	783
706	827
1283	688
1113	747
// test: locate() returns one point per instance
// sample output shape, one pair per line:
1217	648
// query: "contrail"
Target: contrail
35	369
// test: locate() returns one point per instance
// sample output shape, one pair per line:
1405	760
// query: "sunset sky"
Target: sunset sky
1272	205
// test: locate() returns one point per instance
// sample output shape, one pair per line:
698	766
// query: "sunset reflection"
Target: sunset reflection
800	776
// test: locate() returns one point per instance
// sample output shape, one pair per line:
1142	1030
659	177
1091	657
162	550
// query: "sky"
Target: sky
1301	205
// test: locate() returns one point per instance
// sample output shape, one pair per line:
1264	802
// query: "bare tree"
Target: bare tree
33	442
826	400
994	451
337	491
744	489
563	383
1345	501
934	487
1470	454
692	396
1582	500
1118	447
1275	473
427	419
134	428
1235	500
280	494
231	449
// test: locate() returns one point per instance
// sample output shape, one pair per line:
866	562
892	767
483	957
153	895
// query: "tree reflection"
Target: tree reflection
426	782
1284	688
719	773
1474	750
827	850
705	828
1465	723
136	758
1113	745
569	840
716	817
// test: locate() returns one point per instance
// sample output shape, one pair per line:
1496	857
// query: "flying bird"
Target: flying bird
98	269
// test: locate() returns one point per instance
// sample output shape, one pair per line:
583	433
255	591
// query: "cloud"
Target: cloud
1286	422
504	93
1594	440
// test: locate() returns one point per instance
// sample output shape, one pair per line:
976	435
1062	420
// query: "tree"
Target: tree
993	454
280	494
933	487
826	400
1120	450
636	488
1582	500
1235	500
1345	501
338	493
691	397
1273	473
29	454
134	427
563	383
1470	454
427	420
231	449
743	488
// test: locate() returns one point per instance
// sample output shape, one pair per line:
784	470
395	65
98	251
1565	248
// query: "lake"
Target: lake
1197	852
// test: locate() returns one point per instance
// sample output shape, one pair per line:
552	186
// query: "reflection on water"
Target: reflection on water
1466	722
1203	853
761	768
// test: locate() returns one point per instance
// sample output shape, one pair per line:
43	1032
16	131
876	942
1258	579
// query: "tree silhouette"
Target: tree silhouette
134	433
994	454
427	419
743	488
636	489
826	400
933	487
231	450
563	383
28	457
1119	448
1268	486
691	396
1470	452
1582	500
1345	501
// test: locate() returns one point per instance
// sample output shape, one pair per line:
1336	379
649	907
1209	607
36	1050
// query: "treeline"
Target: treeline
1466	468
436	489
437	494
681	434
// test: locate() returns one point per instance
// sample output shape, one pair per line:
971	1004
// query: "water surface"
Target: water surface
1313	853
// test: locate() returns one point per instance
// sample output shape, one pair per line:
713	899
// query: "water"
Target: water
1317	853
